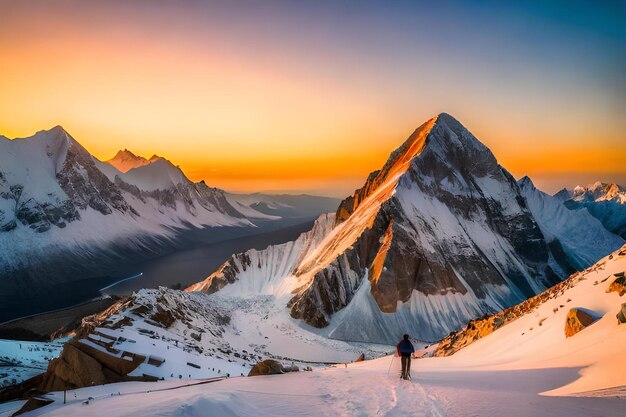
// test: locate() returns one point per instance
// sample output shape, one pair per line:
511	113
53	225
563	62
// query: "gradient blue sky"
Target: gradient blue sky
311	96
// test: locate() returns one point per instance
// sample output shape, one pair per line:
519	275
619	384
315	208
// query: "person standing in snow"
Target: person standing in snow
405	351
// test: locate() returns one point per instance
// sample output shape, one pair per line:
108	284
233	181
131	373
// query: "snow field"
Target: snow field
21	360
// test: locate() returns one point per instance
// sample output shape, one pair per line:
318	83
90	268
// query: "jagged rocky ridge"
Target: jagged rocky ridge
440	235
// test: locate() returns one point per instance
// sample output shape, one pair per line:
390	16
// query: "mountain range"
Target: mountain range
65	215
604	201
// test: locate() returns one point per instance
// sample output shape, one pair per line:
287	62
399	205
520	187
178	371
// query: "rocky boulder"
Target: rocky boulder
72	369
81	365
271	367
578	319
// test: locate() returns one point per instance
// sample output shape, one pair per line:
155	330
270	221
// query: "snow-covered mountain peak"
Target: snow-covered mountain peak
563	194
439	235
526	182
125	160
159	174
604	201
46	150
384	181
600	191
56	130
442	140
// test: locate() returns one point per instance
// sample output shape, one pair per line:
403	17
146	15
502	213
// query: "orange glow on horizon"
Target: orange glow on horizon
247	115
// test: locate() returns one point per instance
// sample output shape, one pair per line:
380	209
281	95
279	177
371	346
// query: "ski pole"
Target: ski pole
392	358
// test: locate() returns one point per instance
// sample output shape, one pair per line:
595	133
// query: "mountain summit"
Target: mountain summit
440	235
125	160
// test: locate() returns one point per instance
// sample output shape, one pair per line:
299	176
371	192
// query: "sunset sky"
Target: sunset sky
312	96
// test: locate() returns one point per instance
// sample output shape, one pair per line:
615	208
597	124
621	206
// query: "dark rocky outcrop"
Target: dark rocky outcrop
23	390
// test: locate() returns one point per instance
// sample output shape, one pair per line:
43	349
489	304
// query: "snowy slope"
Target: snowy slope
536	340
20	360
368	388
269	271
440	235
361	389
582	236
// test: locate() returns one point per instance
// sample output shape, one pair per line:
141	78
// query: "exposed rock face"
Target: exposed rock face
86	185
437	237
577	320
81	365
73	369
618	285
